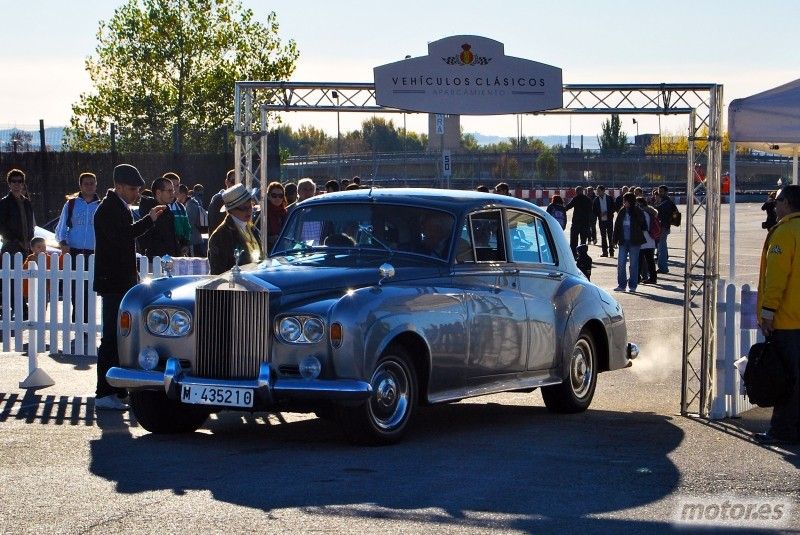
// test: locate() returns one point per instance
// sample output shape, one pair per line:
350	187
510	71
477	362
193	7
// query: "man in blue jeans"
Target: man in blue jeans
665	208
628	237
779	311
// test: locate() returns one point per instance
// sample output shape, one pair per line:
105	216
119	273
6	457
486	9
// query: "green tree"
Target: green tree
613	140
506	167
469	142
162	63
546	163
381	135
678	143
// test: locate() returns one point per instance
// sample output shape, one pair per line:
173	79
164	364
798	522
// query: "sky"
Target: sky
744	45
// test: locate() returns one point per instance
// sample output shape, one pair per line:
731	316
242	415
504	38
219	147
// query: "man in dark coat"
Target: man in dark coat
235	233
581	218
16	223
161	239
215	217
115	268
665	208
603	208
628	236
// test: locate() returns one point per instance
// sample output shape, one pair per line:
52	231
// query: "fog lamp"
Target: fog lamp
148	358
310	368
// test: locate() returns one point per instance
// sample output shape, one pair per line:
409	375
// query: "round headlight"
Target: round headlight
310	368
157	321
290	329
313	330
180	323
148	358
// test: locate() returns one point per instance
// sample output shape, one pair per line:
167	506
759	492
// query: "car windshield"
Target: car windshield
387	227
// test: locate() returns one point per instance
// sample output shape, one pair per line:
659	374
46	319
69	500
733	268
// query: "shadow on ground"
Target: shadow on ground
459	463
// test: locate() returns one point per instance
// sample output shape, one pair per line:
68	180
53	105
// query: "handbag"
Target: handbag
675	217
765	377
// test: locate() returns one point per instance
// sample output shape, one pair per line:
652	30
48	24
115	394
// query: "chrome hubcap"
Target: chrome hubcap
386	393
390	401
581	372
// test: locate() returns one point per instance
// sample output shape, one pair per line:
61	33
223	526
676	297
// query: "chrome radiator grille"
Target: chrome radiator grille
232	333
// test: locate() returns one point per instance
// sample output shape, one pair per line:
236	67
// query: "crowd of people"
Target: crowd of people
634	224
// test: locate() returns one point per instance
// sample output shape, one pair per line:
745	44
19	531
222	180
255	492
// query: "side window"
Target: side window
487	236
523	237
528	238
545	245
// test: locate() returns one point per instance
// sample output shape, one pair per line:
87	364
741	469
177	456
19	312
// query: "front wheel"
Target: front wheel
158	414
385	416
576	391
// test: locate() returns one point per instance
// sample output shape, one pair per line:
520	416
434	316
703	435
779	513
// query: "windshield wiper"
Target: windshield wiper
304	247
367	229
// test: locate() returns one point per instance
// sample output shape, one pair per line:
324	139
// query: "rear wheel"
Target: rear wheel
576	391
158	414
385	416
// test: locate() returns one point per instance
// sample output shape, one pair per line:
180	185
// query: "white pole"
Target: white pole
732	210
37	377
794	165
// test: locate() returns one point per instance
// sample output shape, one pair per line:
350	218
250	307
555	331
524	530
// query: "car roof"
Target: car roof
457	201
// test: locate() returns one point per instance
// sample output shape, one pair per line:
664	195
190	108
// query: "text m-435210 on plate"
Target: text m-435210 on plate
217	395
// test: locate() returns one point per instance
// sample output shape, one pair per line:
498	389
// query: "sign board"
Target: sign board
439	123
447	170
468	75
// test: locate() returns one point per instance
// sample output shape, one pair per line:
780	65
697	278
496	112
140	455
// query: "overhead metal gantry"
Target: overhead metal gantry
257	102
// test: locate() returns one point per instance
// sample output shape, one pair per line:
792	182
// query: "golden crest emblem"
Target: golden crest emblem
466	57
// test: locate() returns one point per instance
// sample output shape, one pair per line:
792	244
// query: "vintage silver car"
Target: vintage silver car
372	303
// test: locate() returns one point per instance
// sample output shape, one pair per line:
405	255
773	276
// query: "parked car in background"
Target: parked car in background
372	303
48	235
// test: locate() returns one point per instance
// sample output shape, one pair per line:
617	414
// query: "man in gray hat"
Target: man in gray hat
115	269
235	232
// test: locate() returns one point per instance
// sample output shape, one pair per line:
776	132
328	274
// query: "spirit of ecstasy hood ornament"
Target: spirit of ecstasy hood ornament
236	270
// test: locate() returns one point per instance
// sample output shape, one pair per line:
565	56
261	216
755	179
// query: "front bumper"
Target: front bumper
267	388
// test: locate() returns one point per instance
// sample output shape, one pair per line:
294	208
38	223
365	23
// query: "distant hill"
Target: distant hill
53	138
589	142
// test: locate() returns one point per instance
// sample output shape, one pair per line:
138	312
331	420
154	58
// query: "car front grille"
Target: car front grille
232	333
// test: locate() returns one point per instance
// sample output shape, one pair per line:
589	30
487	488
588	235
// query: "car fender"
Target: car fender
586	310
377	316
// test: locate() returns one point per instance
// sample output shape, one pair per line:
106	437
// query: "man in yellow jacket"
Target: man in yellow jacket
779	309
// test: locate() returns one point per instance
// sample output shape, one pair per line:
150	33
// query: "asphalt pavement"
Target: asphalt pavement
499	463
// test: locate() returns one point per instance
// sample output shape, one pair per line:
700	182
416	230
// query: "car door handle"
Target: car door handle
555	275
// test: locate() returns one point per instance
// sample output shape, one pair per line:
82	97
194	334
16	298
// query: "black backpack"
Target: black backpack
765	377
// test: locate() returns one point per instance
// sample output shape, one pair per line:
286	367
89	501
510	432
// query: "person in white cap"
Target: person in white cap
235	232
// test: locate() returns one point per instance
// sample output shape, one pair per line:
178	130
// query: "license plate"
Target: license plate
217	395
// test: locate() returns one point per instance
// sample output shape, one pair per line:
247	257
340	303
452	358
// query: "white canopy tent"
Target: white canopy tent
768	122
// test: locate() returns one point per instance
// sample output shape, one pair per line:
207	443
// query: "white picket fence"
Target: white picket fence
49	325
737	330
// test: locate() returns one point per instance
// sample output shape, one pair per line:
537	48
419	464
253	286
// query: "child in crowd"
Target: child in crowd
556	209
38	246
584	261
